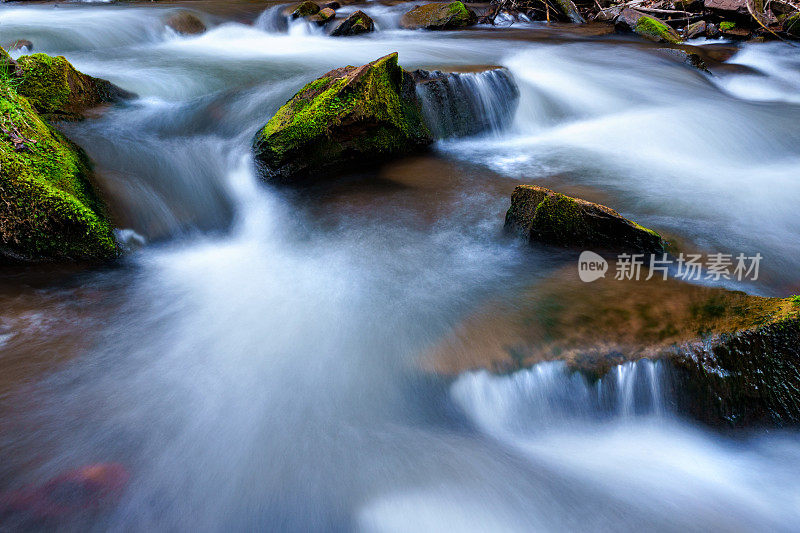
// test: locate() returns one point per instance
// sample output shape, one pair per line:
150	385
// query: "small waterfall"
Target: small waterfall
461	104
551	394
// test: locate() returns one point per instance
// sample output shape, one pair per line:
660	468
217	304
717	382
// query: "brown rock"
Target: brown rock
186	23
356	24
542	215
734	359
323	16
439	17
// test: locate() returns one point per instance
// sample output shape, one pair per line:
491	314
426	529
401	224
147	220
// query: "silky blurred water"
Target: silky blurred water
254	365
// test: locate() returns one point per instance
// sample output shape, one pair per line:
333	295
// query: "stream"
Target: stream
253	359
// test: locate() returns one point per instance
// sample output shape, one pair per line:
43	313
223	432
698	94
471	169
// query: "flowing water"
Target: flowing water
253	361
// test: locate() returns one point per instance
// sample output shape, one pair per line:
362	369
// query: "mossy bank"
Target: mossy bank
50	211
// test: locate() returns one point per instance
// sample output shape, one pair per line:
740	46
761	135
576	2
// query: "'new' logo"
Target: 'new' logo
591	266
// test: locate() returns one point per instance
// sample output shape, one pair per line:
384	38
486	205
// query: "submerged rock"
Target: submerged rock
439	17
186	23
542	215
467	103
51	211
349	117
688	58
356	24
60	92
733	359
21	44
65	496
646	26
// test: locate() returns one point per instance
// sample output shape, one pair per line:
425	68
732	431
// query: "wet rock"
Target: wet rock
52	212
568	10
545	216
791	25
332	5
696	29
60	92
70	494
356	24
743	378
323	16
734	359
348	118
439	17
186	23
688	58
732	31
646	26
302	10
467	103
22	44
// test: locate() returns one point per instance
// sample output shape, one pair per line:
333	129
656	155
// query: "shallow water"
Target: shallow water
254	365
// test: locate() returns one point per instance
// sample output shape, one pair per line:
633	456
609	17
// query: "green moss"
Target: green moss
49	208
439	16
562	215
315	128
791	25
45	82
727	25
655	30
58	91
304	9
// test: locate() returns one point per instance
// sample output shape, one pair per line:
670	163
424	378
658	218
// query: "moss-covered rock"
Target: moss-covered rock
356	24
186	23
646	26
60	92
791	25
301	10
49	209
448	16
545	216
349	117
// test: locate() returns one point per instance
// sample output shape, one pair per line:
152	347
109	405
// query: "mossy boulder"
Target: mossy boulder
301	10
545	216
350	117
50	210
356	24
186	23
60	92
791	25
447	16
651	28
